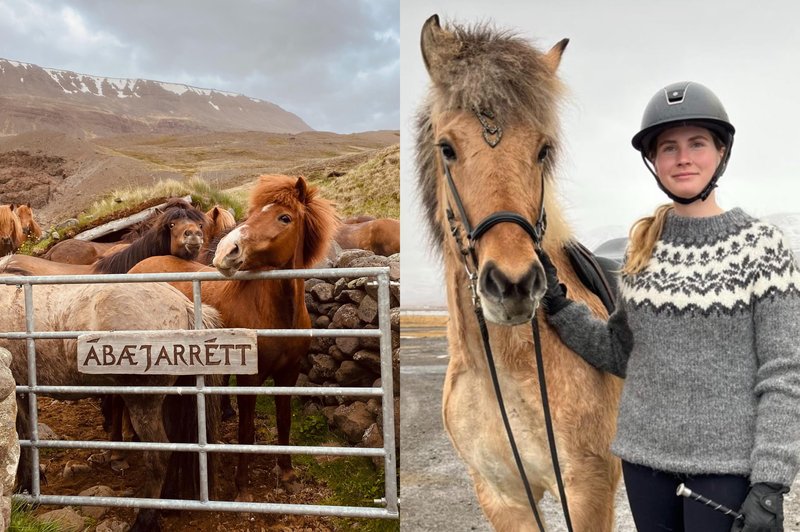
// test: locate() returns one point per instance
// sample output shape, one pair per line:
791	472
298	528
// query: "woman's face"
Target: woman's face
685	159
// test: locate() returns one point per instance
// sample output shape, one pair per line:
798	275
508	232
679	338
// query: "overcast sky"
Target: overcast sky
334	63
619	55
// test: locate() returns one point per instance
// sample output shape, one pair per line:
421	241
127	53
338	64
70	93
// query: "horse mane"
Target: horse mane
319	215
496	71
155	240
10	225
221	220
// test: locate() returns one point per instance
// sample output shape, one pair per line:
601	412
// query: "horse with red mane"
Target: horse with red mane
288	226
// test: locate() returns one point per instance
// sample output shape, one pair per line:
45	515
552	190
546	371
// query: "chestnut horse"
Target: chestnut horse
220	220
29	226
157	418
381	236
11	235
288	226
491	117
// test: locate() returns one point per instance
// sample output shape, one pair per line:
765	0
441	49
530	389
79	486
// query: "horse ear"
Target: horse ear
13	206
553	57
300	186
438	46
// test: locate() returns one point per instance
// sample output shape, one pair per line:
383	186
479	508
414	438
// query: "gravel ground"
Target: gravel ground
435	490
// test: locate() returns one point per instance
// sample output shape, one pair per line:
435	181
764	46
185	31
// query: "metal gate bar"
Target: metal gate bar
200	390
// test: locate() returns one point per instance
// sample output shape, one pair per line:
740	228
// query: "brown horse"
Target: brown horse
29	226
11	235
381	236
220	221
358	219
288	226
177	228
491	116
73	251
154	417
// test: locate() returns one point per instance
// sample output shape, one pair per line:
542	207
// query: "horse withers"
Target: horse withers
288	226
491	120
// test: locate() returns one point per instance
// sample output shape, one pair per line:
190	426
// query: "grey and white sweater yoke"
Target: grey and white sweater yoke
708	338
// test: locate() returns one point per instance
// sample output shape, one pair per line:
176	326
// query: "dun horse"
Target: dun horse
491	119
11	235
288	226
381	236
113	307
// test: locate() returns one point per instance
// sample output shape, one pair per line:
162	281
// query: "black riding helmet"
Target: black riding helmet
678	104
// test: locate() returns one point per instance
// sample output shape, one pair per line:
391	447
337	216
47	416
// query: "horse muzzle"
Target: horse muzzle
510	301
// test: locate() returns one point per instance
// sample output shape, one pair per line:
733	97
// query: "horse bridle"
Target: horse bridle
492	134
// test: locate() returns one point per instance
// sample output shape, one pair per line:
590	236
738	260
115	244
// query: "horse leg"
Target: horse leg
283	414
24	476
225	402
591	490
247	412
503	513
145	413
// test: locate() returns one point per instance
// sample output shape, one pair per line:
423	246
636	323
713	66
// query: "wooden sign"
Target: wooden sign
191	352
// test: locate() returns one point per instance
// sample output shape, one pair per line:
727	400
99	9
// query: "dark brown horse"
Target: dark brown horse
176	228
288	226
491	117
155	417
381	236
11	235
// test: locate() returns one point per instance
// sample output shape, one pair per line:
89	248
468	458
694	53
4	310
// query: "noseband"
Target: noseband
492	134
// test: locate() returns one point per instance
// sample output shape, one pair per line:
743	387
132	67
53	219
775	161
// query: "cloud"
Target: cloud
334	63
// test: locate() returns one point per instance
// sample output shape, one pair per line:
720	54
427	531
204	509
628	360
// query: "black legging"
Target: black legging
656	508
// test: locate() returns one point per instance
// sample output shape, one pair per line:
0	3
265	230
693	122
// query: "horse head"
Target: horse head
11	235
288	226
181	228
490	122
221	220
29	226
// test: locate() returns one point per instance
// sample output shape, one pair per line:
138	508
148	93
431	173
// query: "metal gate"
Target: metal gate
389	503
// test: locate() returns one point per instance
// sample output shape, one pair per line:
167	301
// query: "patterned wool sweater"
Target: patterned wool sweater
708	338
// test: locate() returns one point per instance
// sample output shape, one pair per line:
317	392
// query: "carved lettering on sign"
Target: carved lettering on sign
194	352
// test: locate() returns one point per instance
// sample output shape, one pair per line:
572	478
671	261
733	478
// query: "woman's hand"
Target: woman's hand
762	509
555	298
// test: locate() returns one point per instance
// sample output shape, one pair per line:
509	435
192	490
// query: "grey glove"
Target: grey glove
762	509
555	298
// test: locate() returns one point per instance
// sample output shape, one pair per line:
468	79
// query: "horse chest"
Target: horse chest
472	417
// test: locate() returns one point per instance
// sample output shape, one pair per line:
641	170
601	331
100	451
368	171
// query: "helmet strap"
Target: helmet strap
706	192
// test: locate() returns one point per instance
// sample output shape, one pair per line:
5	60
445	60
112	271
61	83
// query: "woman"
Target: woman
706	333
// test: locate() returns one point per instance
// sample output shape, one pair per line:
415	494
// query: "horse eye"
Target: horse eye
285	218
543	153
447	151
171	226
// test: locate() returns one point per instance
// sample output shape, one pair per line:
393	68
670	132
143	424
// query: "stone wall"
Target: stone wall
9	444
352	361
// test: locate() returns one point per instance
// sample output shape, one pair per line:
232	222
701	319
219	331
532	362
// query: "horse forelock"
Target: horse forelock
155	240
494	71
320	220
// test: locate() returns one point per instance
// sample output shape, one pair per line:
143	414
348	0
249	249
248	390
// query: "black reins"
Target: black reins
492	135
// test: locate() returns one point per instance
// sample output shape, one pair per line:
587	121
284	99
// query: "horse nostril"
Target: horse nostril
493	281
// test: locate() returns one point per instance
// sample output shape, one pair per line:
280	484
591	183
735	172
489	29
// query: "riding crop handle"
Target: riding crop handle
683	491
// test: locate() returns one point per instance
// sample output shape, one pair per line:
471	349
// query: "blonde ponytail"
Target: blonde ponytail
642	240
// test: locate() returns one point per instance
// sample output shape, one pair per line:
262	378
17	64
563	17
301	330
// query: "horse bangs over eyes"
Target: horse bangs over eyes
286	222
498	138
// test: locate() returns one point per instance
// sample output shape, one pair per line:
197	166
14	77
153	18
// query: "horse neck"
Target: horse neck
268	303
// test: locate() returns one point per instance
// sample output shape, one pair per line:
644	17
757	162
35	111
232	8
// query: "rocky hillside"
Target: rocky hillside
33	98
